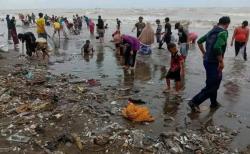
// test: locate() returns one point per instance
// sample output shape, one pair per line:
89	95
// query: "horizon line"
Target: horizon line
190	7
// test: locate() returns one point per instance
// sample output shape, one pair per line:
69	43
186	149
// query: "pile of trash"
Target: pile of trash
50	113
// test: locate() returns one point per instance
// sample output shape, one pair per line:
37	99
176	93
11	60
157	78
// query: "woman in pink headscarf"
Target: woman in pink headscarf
91	26
146	39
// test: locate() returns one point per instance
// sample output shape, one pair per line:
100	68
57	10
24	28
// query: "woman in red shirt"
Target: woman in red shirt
241	35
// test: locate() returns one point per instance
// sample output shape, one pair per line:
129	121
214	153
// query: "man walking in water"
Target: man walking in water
216	42
41	26
167	35
8	26
139	26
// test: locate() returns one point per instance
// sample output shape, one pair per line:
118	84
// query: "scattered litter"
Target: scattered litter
77	141
136	101
113	103
18	138
137	113
232	115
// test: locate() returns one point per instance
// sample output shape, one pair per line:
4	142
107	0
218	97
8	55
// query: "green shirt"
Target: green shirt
220	42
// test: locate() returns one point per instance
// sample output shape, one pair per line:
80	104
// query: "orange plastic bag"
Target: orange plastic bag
137	113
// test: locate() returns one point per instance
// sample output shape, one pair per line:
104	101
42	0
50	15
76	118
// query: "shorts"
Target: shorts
184	49
167	39
158	38
101	32
176	75
43	35
145	49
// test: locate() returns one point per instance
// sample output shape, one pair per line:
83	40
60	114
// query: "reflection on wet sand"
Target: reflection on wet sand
65	44
99	56
232	85
142	71
129	78
87	57
172	103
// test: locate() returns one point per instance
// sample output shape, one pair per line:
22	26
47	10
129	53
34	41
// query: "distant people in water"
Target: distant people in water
12	28
100	29
118	24
139	26
91	26
57	28
106	26
87	48
167	33
87	21
40	23
9	27
158	32
183	39
240	39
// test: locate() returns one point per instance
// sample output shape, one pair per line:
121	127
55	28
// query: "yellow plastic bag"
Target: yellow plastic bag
137	113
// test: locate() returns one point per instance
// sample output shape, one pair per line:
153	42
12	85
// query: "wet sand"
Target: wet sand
106	66
233	94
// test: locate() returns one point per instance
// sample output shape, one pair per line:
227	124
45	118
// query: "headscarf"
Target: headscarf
147	35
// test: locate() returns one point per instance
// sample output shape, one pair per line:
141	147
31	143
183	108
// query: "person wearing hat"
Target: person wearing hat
213	54
167	34
240	39
30	42
139	26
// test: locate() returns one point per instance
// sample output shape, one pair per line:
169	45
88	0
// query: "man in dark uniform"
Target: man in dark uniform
213	54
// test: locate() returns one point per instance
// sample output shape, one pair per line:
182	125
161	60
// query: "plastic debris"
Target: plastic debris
137	113
18	138
77	141
136	101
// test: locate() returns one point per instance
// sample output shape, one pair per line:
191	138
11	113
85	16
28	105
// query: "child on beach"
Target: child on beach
158	32
176	67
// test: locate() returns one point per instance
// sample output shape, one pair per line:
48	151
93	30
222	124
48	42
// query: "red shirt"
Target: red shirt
241	34
176	60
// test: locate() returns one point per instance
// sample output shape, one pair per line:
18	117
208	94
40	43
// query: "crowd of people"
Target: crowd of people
128	46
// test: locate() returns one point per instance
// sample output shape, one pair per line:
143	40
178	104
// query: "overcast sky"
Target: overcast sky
32	4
